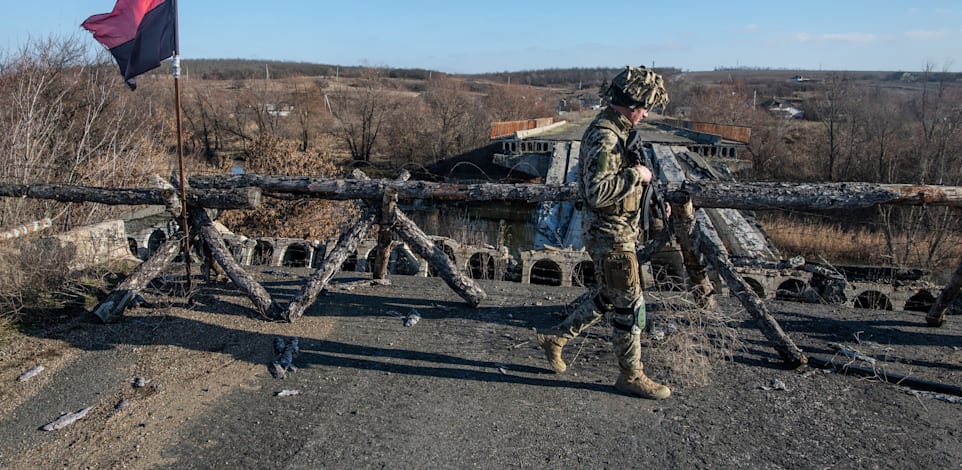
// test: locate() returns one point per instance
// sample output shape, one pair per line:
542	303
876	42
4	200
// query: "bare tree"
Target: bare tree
69	120
728	103
308	110
456	117
204	117
515	102
921	235
408	136
361	114
833	108
884	129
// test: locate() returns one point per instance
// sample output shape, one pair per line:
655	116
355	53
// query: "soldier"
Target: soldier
612	184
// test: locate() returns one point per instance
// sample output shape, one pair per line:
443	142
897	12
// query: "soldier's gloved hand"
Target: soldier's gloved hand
644	173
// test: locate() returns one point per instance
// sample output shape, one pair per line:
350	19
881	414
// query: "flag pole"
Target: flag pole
175	70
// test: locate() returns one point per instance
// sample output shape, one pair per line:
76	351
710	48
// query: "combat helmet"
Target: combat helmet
637	87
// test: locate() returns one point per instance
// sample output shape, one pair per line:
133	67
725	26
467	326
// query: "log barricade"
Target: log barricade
245	192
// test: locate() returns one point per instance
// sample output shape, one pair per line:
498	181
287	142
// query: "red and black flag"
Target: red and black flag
139	33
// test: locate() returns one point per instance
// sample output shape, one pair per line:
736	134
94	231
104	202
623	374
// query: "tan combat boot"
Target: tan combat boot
552	345
637	383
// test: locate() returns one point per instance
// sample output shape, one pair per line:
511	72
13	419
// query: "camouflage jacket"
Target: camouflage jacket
611	186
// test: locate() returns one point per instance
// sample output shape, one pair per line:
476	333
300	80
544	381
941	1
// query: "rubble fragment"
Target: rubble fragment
30	373
66	419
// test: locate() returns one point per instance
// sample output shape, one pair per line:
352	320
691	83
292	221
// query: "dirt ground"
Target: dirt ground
463	388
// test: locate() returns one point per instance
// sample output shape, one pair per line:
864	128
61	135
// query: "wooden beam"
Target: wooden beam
419	242
204	227
384	235
342	189
936	315
345	245
112	308
229	198
711	246
241	192
812	196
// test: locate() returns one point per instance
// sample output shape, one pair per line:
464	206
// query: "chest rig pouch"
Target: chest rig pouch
632	201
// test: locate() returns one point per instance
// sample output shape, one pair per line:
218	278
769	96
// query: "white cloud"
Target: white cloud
838	37
926	34
751	28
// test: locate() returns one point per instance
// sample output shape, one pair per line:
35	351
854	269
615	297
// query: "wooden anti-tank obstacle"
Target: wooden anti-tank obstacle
244	192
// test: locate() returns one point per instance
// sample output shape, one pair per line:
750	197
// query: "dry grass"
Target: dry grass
863	245
685	342
811	240
36	283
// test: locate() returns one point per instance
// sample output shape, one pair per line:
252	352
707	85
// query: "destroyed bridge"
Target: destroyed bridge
723	250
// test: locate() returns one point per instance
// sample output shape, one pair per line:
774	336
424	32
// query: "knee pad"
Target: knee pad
628	319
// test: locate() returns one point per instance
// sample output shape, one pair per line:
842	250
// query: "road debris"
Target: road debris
66	419
776	384
853	354
286	393
285	353
412	318
139	382
30	373
933	395
349	286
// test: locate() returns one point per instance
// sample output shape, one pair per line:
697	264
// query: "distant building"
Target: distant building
789	108
279	110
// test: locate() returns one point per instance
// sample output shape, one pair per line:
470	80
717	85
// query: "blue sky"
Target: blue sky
499	35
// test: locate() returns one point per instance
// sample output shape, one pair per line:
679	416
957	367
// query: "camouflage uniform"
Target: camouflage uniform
612	187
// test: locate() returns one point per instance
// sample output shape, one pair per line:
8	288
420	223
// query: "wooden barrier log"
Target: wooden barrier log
811	196
342	189
236	198
384	234
705	193
419	242
231	198
172	204
204	227
711	246
345	245
112	308
206	191
936	315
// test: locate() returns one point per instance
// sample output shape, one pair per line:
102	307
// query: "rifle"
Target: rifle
652	199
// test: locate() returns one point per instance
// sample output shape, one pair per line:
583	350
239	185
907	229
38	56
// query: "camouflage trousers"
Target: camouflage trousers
618	294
